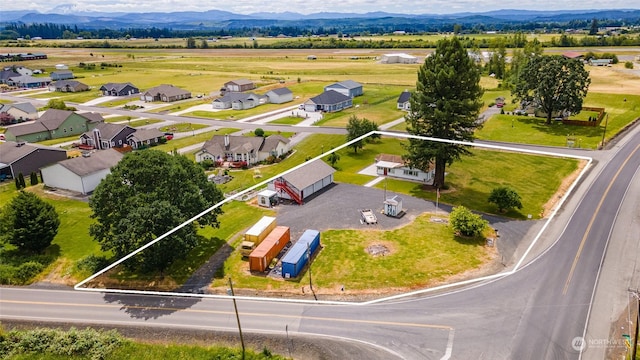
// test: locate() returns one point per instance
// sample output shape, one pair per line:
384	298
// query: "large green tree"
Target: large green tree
520	59
554	84
29	222
357	127
445	105
147	194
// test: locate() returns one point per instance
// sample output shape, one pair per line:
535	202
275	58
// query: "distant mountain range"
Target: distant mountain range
70	15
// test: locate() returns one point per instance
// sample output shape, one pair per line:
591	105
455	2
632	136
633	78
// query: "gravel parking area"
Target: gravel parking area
337	207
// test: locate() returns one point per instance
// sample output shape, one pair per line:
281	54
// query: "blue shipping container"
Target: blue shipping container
296	258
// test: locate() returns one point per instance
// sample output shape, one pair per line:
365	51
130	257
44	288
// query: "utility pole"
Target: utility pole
237	316
606	120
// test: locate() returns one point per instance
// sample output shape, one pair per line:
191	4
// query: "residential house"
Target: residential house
395	166
165	93
572	55
61	75
398	58
54	124
403	101
119	89
239	101
239	85
20	111
29	82
22	158
68	86
143	138
347	87
248	149
304	181
107	135
328	101
280	95
7	73
81	174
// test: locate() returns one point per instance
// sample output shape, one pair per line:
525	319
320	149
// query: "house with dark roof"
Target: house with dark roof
328	101
107	135
248	149
166	93
54	124
239	101
22	158
29	82
68	86
304	181
81	174
6	74
394	166
20	111
349	88
143	138
61	75
279	95
403	101
239	85
119	89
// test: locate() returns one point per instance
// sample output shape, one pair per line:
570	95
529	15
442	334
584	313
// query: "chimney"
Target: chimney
226	141
96	138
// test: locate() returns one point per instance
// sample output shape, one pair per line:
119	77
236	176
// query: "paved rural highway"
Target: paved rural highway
535	313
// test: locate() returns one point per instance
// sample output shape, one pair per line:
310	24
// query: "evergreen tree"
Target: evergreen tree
445	105
34	178
594	27
29	223
21	181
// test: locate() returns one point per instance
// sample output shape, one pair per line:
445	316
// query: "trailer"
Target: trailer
254	236
368	217
269	248
300	253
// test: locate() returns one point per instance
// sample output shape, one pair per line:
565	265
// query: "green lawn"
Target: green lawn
532	130
289	120
60	140
142	122
182	127
471	180
191	140
414	261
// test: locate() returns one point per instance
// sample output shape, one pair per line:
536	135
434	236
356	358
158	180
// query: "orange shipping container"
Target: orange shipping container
269	248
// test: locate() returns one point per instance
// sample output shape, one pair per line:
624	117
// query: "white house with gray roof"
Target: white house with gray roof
279	95
239	101
249	149
81	174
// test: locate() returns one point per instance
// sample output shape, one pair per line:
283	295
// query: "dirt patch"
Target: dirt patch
379	249
547	208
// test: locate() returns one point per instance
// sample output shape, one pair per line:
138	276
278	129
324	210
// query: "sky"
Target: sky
313	6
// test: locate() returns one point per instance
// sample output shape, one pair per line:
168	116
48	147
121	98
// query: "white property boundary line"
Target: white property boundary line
589	160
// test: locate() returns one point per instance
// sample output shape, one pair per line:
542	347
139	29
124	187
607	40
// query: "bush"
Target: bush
628	65
465	222
505	198
258	132
207	164
89	343
92	263
27	271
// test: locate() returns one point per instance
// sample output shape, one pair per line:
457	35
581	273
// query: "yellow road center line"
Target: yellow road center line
593	218
159	308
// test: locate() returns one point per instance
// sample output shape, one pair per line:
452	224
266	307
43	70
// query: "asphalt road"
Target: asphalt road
535	313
